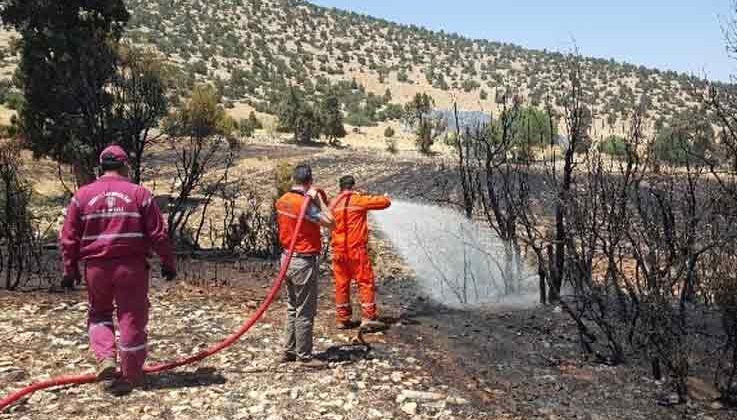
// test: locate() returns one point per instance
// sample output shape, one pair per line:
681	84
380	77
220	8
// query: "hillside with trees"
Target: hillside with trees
254	50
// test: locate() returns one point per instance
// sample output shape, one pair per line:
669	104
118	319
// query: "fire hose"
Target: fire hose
229	341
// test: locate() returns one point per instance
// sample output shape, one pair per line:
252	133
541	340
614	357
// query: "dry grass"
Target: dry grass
5	115
241	111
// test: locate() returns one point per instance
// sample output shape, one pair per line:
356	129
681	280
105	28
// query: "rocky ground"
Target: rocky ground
433	362
43	335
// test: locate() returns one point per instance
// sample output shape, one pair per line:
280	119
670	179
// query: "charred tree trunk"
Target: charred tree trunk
465	168
83	174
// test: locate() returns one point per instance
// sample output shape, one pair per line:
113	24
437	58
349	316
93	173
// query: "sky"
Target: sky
680	35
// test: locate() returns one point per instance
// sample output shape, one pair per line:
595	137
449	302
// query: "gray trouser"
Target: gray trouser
301	304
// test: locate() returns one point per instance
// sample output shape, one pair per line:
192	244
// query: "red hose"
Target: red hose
90	378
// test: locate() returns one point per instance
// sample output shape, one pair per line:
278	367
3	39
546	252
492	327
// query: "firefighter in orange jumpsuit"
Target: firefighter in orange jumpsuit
350	253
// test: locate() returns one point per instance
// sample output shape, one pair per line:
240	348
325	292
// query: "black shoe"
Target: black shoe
288	358
311	363
107	370
345	325
121	387
372	325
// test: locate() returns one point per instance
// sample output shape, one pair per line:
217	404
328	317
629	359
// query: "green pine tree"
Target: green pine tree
332	119
68	56
256	124
297	117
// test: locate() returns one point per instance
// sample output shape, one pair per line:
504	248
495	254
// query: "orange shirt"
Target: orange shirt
308	238
351	219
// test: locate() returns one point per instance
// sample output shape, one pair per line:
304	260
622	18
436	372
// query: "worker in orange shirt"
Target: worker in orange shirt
350	253
302	276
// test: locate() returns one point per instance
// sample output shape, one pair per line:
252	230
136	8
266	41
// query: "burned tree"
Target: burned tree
600	215
139	89
248	227
576	117
198	136
20	248
492	152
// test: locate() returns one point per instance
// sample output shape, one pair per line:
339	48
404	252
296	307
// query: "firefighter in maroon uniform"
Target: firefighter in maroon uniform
112	225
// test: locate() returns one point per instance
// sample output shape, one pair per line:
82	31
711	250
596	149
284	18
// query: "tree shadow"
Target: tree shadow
346	354
393	320
428	309
339	146
314	144
201	377
359	348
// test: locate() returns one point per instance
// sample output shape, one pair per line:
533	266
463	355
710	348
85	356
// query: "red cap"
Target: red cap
114	152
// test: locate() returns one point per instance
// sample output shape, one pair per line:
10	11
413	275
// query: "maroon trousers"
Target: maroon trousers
122	285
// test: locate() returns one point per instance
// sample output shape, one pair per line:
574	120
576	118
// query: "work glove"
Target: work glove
67	282
167	274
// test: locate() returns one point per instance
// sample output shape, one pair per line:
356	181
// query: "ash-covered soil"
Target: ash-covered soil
527	363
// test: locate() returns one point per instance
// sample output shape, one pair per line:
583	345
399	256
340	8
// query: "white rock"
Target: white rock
38	398
457	401
257	409
333	403
410	408
407	394
241	415
375	414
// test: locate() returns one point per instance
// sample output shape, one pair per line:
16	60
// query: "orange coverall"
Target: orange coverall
350	252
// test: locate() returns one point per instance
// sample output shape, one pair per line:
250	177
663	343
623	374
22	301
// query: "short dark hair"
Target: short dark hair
109	163
302	174
347	182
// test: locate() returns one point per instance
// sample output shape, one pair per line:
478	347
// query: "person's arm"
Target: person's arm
326	218
158	234
70	242
373	202
319	211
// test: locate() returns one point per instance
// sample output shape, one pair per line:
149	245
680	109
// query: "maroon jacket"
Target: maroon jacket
113	218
